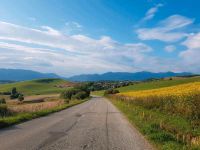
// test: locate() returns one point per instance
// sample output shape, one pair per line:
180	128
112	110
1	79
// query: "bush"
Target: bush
14	93
21	97
84	88
67	94
3	110
13	96
80	95
2	101
45	80
79	92
111	91
5	93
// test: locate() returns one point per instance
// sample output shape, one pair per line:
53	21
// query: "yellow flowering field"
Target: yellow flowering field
179	90
182	99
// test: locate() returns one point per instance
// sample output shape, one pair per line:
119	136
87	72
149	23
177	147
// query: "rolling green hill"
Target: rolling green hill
159	84
36	87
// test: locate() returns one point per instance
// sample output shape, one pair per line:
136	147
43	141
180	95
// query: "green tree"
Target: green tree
67	94
80	95
14	91
21	97
111	91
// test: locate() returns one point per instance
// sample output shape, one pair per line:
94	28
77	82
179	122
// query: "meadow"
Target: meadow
37	87
41	97
169	116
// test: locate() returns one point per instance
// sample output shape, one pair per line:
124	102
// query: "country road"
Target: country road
93	125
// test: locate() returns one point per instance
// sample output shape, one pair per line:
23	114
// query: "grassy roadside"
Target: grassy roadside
158	127
22	117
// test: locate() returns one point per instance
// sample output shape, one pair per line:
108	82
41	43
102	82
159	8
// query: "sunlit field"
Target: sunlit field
173	111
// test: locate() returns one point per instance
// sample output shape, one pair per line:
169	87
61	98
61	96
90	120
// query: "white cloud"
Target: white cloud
190	57
176	22
170	48
151	12
49	50
55	39
167	30
66	54
73	24
159	34
72	27
193	41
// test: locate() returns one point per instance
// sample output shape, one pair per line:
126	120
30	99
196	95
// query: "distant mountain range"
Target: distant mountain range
20	75
121	76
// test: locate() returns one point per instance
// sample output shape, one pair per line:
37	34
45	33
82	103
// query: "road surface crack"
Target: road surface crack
54	136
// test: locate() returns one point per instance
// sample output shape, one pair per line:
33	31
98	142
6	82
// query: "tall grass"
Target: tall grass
3	110
34	107
182	101
31	112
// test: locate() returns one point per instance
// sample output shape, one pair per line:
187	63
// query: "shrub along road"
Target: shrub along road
93	125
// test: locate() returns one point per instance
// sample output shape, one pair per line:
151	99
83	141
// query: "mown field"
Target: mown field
36	87
166	112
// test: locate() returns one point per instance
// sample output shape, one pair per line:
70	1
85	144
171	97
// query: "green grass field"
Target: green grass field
36	87
41	98
158	84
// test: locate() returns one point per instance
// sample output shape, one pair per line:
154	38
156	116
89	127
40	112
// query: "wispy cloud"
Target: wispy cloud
72	27
50	50
167	30
170	48
151	12
68	51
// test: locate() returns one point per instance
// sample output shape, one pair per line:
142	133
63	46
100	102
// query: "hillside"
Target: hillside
121	76
159	83
22	75
35	87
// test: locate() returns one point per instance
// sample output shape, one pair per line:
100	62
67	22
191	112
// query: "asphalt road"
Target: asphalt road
93	125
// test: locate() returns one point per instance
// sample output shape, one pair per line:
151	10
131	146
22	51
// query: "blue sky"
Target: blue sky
71	37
